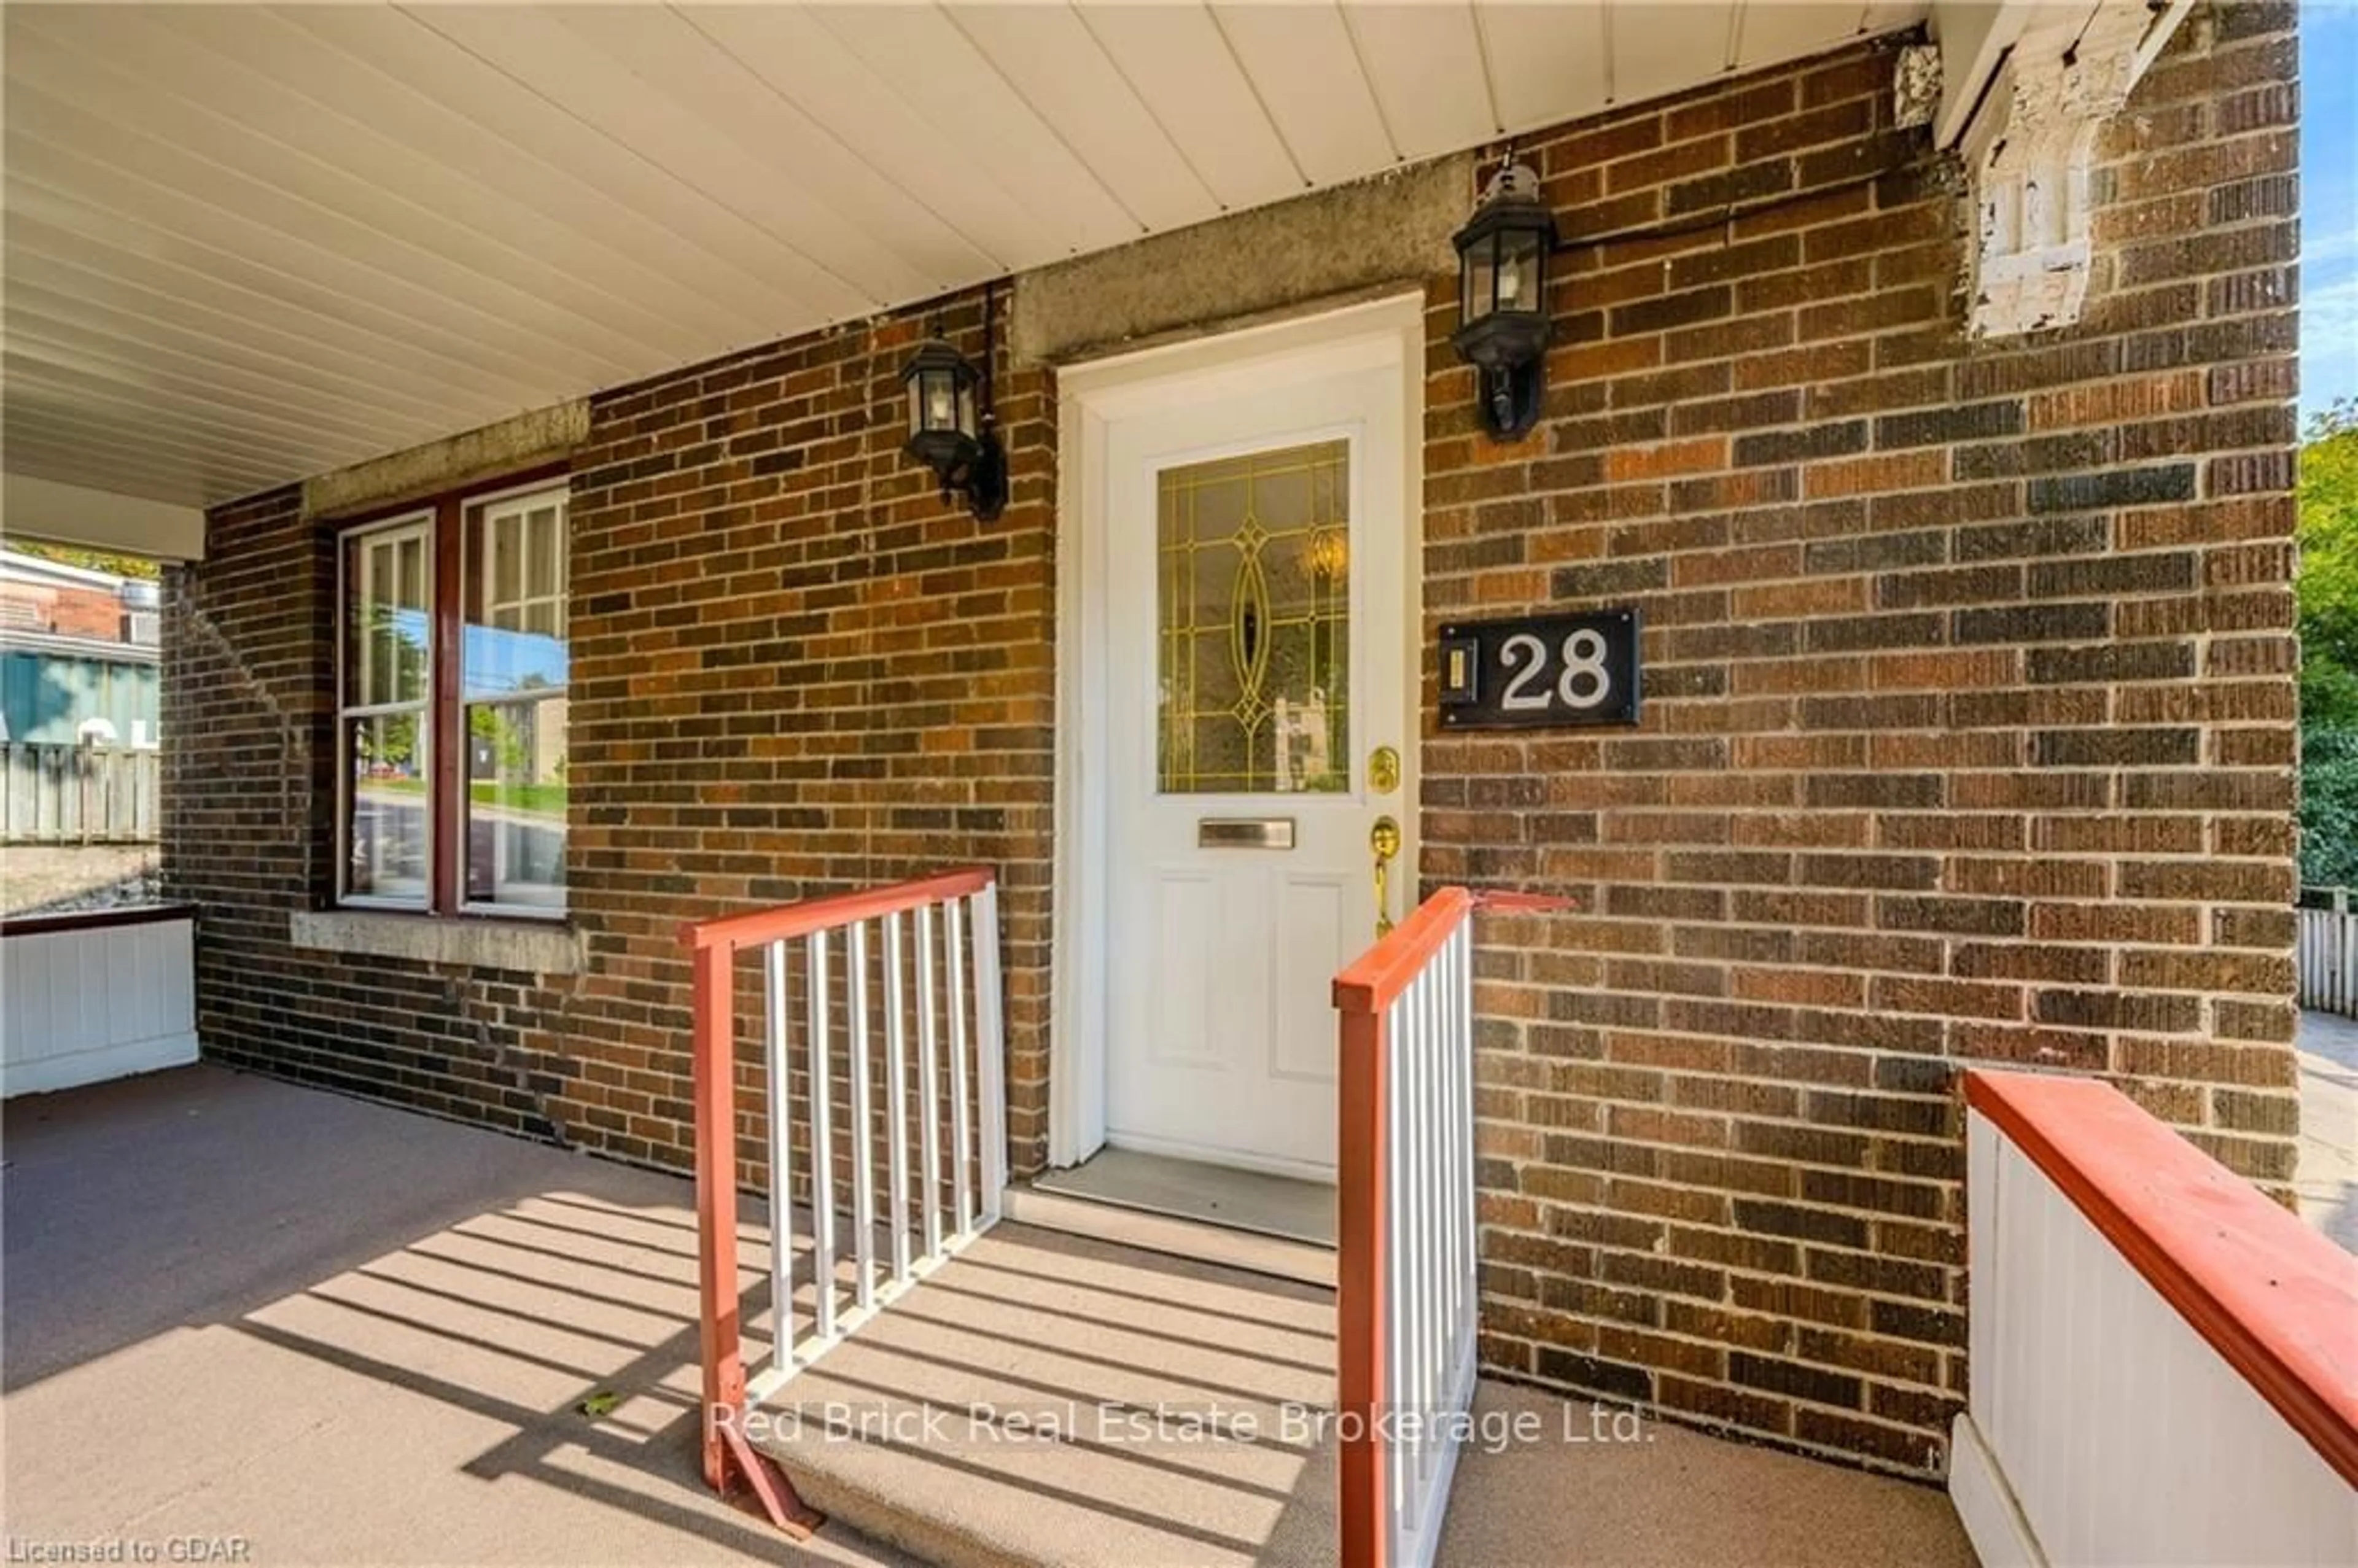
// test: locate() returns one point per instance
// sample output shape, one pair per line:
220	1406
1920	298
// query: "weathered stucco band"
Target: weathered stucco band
544	436
1324	249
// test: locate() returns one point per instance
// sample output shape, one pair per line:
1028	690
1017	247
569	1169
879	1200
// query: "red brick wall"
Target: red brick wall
86	612
248	831
64	610
796	669
1968	734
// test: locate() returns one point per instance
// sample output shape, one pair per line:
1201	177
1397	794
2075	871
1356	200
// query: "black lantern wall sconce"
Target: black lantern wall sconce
952	427
1502	306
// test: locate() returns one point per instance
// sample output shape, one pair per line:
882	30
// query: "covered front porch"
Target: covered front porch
1905	388
241	1311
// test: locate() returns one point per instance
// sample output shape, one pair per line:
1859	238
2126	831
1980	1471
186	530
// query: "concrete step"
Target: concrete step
1048	1399
1122	1226
1261	1202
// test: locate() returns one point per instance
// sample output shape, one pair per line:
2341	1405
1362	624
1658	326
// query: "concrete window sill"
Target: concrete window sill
528	947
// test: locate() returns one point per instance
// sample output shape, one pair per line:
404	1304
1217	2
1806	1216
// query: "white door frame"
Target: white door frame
1389	332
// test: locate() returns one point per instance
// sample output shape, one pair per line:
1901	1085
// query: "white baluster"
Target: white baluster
1459	1261
896	1072
1445	1194
1398	1372
860	1143
1460	1138
1428	1210
1428	1216
822	1145
1410	1233
929	1138
962	1184
1446	1048
990	1048
779	1071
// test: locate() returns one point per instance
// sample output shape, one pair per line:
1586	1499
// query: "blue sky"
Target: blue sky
2329	199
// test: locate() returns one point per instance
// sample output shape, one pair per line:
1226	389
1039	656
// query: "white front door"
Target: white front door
1257	640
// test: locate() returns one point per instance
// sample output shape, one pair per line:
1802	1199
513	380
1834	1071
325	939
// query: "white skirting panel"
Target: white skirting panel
88	1003
2102	1427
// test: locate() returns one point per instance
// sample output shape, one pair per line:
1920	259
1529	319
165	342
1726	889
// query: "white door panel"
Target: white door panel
1257	647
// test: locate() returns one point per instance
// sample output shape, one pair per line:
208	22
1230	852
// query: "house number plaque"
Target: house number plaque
1541	671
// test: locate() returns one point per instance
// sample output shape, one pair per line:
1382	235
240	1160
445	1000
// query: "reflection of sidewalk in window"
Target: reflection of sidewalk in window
535	803
528	816
2328	1176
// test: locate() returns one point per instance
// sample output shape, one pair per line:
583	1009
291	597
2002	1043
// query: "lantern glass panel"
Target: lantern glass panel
1479	270
967	423
1518	270
941	399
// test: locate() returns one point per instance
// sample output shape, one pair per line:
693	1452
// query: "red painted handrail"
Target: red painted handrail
2277	1300
1378	975
1384	970
1362	994
739	932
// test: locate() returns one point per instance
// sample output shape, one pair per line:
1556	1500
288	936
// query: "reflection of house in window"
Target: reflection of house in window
514	675
515	631
384	720
1302	736
526	738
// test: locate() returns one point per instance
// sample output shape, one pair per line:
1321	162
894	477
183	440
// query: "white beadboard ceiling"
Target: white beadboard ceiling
245	244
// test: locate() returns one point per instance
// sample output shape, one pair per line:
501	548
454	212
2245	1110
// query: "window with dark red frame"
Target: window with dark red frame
450	717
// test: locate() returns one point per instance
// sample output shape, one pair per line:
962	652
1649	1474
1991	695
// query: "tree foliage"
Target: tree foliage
2327	590
503	736
2328	808
138	567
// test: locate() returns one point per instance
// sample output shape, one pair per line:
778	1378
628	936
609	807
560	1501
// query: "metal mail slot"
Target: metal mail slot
1244	833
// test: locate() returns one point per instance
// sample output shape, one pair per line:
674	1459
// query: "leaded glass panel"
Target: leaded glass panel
1253	606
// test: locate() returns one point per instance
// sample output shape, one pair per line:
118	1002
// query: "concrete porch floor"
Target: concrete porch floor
347	1334
1045	1399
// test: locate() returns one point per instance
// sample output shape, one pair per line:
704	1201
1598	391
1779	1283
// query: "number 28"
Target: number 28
1584	683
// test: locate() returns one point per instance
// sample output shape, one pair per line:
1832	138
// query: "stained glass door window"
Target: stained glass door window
1253	597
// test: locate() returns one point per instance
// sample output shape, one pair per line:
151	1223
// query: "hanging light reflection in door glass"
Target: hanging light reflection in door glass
1253	607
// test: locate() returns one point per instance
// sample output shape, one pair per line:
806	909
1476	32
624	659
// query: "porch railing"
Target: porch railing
1406	1301
876	972
96	995
2165	1362
2328	951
